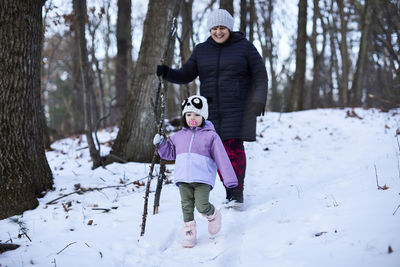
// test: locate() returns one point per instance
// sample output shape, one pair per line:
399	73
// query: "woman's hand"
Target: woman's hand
162	70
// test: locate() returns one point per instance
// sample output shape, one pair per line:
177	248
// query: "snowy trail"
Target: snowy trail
311	200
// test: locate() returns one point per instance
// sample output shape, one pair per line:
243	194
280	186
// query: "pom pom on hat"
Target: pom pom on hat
197	104
220	17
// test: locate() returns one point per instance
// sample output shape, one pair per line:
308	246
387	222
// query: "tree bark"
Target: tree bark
185	49
123	45
297	93
344	79
138	125
318	57
243	16
81	14
356	88
252	21
24	170
227	4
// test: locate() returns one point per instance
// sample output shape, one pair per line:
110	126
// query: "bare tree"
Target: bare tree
318	56
243	16
269	51
356	88
138	125
81	14
122	61
227	4
24	171
297	93
344	81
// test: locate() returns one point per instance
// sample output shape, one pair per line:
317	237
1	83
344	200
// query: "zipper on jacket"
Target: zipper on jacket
188	163
217	91
191	140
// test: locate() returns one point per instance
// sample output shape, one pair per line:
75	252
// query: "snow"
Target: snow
311	200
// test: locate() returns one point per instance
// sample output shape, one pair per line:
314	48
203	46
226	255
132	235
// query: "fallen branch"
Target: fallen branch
83	190
25	234
65	247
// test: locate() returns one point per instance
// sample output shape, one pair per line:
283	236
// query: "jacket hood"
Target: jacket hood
233	38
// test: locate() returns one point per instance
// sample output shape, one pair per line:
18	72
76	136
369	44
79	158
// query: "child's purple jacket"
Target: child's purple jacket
198	153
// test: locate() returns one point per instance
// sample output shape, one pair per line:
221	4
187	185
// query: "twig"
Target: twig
26	235
65	247
396	209
377	184
105	209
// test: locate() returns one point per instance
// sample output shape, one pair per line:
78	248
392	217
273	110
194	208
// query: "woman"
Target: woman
234	80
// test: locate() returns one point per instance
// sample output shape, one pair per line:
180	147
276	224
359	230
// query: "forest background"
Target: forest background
72	67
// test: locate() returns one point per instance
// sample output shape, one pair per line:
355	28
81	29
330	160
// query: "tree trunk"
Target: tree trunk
24	171
122	61
138	125
185	48
226	4
243	16
297	93
252	21
317	57
267	8
356	88
81	13
344	80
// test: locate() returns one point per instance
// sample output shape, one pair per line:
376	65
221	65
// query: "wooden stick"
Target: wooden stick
65	247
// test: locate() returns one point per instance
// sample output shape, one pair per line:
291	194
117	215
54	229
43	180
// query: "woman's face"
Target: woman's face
193	119
220	34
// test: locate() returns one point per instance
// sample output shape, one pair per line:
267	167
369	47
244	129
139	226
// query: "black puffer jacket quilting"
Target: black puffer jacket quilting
232	77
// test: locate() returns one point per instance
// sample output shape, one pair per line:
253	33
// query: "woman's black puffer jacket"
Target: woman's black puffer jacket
232	78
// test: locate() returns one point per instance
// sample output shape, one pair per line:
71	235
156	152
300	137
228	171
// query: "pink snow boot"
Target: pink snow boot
190	239
214	222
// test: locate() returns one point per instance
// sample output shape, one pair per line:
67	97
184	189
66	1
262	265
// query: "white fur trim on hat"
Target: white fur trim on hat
220	17
197	104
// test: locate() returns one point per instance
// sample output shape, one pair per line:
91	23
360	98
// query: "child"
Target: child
198	152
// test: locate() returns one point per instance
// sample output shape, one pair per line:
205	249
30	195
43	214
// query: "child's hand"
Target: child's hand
157	139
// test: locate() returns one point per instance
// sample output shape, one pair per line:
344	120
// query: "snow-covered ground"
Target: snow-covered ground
311	200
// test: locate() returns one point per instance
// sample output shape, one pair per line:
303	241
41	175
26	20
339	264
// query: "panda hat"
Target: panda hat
197	104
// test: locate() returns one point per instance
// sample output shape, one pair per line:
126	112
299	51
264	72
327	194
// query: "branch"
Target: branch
65	247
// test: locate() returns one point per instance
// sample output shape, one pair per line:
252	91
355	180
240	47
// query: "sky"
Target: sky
312	198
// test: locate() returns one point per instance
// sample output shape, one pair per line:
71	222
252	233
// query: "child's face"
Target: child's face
193	119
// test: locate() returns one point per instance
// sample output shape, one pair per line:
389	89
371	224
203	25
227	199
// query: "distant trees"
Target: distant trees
24	171
341	59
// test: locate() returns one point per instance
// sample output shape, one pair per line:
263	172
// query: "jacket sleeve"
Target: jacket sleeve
259	76
186	74
224	165
166	150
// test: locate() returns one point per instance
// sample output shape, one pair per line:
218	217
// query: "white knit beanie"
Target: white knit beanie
197	104
220	17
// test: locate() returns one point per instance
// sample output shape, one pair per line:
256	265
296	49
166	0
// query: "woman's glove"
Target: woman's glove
162	70
157	139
